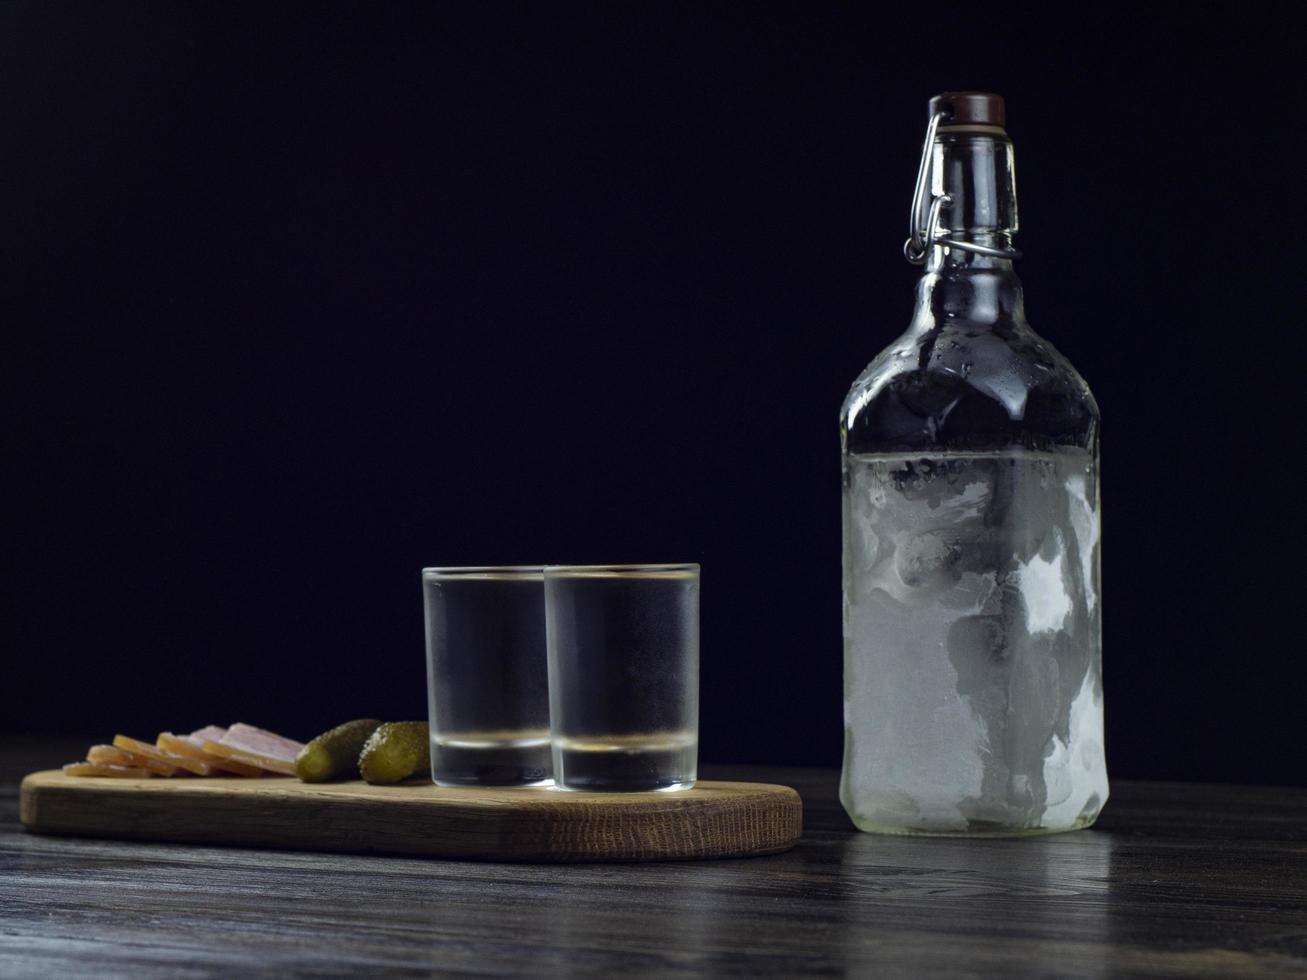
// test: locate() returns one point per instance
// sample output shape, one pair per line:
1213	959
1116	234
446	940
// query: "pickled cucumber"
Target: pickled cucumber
395	751
335	754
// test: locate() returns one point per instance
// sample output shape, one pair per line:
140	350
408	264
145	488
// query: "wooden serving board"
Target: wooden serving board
712	820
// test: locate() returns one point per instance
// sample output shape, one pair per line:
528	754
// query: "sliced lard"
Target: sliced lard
102	769
112	755
209	733
261	742
256	747
137	747
190	747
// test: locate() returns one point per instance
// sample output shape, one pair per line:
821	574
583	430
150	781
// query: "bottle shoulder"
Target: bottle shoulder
962	386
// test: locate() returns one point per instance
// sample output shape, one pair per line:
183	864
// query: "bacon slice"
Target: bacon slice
256	747
189	747
150	752
111	755
99	769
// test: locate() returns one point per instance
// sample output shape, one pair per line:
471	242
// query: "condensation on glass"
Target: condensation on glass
487	679
623	675
973	685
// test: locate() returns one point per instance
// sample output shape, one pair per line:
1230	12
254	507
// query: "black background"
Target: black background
300	299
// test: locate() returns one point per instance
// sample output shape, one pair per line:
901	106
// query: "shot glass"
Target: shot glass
487	679
623	675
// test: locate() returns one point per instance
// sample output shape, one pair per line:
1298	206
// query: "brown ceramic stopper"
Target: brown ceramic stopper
969	109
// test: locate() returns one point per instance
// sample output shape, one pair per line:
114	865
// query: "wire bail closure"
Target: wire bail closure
923	222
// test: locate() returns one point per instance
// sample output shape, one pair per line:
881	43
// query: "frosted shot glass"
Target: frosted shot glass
623	646
487	680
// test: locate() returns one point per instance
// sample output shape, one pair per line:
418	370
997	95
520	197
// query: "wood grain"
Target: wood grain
712	820
1175	880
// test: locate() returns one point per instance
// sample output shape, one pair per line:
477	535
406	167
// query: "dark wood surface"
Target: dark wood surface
1175	880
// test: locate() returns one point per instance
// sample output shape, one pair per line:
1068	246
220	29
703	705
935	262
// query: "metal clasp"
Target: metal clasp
923	222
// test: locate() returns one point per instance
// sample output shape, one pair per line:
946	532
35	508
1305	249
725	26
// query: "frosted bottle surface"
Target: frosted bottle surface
973	700
973	696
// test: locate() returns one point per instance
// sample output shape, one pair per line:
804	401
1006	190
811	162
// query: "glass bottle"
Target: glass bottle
972	670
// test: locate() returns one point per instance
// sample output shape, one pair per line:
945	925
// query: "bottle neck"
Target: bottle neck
974	166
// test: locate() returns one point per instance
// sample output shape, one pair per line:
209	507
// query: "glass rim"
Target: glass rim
689	567
456	571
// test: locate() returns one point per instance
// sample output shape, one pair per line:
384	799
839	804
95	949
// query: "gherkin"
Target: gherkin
395	751
335	754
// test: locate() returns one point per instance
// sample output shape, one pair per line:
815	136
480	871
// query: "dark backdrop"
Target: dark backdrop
300	299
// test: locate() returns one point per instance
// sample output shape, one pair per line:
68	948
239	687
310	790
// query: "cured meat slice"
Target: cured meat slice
260	742
232	754
149	751
111	755
187	746
101	769
256	747
208	733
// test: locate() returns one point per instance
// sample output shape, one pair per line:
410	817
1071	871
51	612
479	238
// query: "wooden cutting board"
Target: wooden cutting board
712	820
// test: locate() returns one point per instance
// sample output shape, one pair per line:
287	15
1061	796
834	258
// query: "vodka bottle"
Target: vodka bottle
972	644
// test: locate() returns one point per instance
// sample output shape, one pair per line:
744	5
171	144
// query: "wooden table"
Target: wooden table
1174	880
